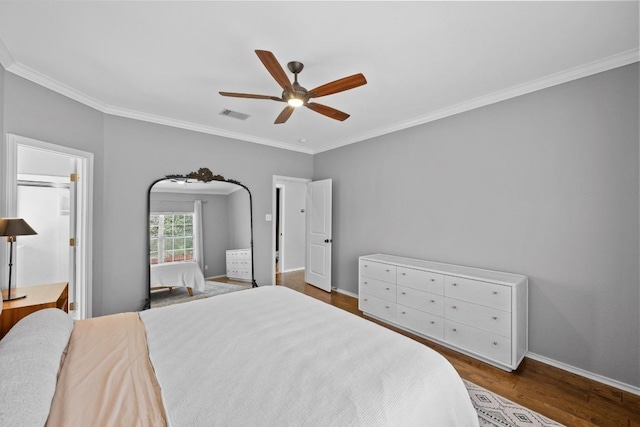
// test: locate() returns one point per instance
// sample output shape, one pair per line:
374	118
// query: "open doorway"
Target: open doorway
289	221
50	186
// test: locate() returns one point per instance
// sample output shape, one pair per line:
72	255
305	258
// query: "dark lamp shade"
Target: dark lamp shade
15	227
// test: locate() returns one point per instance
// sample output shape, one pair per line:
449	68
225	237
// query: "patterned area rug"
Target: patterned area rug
162	297
496	411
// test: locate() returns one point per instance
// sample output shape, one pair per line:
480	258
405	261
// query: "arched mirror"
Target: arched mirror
199	237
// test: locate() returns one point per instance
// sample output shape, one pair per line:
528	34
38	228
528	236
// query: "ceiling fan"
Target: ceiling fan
295	95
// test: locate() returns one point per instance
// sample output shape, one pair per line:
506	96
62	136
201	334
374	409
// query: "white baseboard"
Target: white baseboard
289	270
342	291
595	377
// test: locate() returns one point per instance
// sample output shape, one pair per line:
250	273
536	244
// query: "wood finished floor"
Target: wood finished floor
560	395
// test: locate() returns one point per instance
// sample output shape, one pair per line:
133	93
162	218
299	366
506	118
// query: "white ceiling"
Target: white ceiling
165	62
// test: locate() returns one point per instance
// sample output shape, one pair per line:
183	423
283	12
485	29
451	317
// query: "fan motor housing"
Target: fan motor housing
295	66
298	92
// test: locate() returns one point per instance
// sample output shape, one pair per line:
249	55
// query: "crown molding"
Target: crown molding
615	61
6	59
182	124
69	92
618	60
54	85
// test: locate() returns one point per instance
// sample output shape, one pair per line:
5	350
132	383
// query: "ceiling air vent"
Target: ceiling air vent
234	114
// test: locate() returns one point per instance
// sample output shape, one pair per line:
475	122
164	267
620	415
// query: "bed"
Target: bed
267	356
177	274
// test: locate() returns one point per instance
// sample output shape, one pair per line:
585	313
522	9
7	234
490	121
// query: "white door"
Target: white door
318	235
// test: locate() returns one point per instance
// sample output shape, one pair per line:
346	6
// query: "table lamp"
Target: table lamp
12	227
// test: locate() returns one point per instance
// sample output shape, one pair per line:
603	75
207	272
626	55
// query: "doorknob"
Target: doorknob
328	240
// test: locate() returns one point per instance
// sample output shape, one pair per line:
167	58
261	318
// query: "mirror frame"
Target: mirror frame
204	175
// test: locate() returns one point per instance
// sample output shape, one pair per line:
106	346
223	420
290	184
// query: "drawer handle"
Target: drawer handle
455	284
404	293
495	343
366	283
433	322
387	271
404	312
366	299
433	280
366	265
455	330
386	306
433	300
404	274
387	288
495	317
495	292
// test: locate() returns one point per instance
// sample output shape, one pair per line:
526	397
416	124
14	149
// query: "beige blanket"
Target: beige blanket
106	378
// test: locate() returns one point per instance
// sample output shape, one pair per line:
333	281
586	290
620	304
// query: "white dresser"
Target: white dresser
239	264
481	313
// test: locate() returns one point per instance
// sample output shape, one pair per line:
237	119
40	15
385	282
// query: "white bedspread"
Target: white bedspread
271	356
184	274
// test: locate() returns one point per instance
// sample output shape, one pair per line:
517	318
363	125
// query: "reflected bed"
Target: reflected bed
185	274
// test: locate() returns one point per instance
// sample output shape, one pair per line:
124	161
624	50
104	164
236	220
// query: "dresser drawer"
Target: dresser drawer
475	291
239	254
421	280
420	321
489	345
479	316
378	288
377	306
378	270
424	301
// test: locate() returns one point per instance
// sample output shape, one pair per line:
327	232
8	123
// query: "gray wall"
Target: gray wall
239	220
2	159
136	154
129	156
35	112
294	230
545	185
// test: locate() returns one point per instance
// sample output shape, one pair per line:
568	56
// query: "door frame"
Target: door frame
277	181
278	221
84	218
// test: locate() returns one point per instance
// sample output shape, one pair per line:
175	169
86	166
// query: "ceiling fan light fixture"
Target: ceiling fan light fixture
295	102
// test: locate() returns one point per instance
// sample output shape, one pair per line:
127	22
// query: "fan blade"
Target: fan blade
340	85
284	115
327	111
273	67
249	95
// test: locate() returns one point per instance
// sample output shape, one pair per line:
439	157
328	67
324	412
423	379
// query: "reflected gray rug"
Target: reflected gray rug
163	298
496	411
